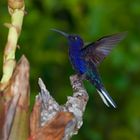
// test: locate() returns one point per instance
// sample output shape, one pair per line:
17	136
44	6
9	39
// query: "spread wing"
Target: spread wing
97	51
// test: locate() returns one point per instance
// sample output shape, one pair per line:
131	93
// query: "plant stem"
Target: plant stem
16	10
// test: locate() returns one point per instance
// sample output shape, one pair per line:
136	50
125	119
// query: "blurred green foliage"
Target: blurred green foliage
47	53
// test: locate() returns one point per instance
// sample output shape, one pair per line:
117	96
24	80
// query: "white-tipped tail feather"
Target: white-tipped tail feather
106	98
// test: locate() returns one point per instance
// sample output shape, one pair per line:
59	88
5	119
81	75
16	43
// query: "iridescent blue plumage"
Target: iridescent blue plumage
85	59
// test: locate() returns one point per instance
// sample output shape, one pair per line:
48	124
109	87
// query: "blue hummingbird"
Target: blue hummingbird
86	58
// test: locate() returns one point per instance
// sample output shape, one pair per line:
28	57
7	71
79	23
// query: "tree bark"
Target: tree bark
51	121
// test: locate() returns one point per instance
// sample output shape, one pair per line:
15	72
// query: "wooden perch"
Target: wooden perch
51	121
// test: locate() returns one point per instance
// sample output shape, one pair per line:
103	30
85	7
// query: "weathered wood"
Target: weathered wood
16	104
51	121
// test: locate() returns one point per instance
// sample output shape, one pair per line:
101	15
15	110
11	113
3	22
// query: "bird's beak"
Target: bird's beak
60	32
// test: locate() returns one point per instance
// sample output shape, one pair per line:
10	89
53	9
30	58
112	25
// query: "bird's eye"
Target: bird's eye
74	38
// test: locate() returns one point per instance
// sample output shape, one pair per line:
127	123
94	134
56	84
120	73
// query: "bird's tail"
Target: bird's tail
94	78
106	97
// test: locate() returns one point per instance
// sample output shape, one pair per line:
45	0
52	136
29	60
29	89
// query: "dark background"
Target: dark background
47	53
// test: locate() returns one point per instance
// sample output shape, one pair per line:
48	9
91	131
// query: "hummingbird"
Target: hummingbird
85	59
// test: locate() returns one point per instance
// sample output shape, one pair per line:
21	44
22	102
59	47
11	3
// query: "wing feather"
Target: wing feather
98	50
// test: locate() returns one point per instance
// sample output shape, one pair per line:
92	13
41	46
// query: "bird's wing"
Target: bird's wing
98	50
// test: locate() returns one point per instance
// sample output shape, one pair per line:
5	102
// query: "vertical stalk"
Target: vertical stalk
16	10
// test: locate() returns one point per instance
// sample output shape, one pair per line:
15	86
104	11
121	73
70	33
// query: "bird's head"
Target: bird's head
73	40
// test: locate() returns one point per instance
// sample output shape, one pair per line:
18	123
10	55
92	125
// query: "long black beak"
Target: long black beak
60	32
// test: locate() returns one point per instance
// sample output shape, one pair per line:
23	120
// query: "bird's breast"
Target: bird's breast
77	62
